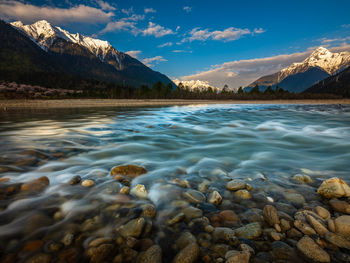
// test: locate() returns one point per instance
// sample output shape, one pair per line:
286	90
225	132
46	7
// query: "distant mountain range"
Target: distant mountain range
41	49
299	76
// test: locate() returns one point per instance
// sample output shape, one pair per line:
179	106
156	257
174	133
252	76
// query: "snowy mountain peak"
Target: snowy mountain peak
321	58
44	34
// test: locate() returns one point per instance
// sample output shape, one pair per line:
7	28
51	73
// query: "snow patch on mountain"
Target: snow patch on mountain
194	84
44	34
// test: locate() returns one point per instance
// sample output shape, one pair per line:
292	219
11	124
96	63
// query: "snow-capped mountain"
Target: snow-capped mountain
87	57
194	84
301	75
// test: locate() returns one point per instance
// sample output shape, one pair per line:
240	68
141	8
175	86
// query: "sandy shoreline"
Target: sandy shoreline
86	103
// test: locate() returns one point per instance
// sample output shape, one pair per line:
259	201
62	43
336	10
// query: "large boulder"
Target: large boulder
334	188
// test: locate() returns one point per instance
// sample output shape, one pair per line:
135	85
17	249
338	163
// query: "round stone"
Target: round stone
342	226
194	196
215	198
87	183
243	194
235	185
139	191
334	188
311	250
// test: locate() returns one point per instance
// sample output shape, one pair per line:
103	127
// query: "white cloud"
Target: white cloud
149	10
121	25
187	9
154	60
128	11
156	30
228	34
177	28
259	30
243	72
28	13
133	53
106	6
182	51
167	44
346	25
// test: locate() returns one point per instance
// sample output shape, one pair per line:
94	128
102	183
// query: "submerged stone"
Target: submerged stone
312	251
130	170
334	188
250	231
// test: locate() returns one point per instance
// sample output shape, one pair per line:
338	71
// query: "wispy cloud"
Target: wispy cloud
134	53
128	11
181	51
28	13
187	9
156	30
167	44
228	34
124	24
332	40
106	6
346	25
154	60
149	10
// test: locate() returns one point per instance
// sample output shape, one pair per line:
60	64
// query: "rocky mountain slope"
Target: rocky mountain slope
73	54
299	76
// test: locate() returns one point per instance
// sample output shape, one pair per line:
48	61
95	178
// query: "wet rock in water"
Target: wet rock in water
133	228
192	213
151	255
100	253
88	183
294	233
99	241
148	210
223	233
181	182
245	247
331	225
75	180
68	239
203	186
36	221
243	194
139	191
36	185
4	179
311	250
304	227
295	198
337	240
252	215
125	190
285	225
334	188
184	240
323	212
130	170
250	231
215	198
209	229
340	206
194	196
286	208
303	178
282	251
234	256
342	226
33	245
229	216
235	185
176	219
189	254
39	258
270	215
319	227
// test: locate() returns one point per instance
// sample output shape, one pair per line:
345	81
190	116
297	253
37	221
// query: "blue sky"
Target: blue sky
216	41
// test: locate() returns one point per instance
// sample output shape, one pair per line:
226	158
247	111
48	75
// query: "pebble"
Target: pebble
331	225
223	233
125	190
342	226
229	216
285	225
100	253
99	241
36	185
130	170
319	227
235	256
184	240
323	212
304	227
337	240
152	255
235	185
340	206
68	239
215	198
176	219
270	215
243	194
194	196
75	180
311	250
133	228
148	210
303	178
189	254
192	213
87	183
139	191
249	231
334	188
282	251
295	198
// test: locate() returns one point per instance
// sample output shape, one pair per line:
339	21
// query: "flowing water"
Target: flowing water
265	145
